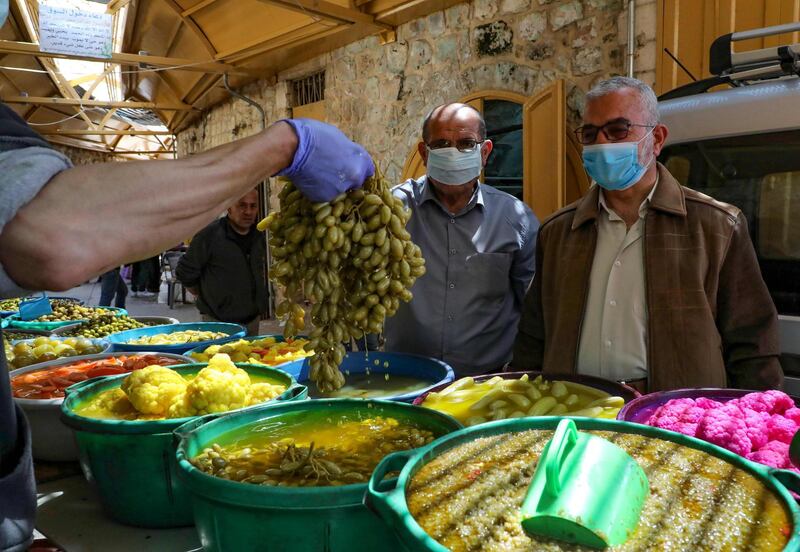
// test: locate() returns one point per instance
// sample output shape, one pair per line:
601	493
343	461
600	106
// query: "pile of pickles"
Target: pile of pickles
473	403
351	259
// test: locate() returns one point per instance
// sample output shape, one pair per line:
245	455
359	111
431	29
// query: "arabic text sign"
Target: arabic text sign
71	31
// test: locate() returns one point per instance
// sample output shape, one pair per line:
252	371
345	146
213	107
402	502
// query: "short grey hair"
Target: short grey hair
646	94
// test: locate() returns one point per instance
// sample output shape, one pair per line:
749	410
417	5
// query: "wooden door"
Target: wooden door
314	110
688	27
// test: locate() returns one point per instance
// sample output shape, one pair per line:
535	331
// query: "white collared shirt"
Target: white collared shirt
613	341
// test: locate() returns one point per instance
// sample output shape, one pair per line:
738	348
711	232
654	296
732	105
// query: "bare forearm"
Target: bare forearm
95	217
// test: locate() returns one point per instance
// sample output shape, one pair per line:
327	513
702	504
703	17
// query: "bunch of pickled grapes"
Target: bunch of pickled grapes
351	258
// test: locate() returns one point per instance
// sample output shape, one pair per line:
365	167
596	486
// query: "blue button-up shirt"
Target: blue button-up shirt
478	263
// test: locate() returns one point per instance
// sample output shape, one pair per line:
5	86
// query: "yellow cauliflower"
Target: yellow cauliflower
263	392
219	387
153	389
111	404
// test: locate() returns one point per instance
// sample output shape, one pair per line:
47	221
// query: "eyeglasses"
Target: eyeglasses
614	131
465	145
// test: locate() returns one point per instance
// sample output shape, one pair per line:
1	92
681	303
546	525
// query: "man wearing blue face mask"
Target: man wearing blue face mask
643	280
479	247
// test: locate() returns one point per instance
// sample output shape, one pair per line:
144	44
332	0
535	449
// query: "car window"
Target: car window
760	174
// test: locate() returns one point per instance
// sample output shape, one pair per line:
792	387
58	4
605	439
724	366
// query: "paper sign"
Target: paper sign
72	31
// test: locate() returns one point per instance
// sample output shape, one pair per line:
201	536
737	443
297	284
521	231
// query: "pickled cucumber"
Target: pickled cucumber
351	259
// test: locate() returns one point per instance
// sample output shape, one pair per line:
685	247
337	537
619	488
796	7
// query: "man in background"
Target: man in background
224	267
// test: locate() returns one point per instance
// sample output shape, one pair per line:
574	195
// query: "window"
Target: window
504	128
308	90
760	174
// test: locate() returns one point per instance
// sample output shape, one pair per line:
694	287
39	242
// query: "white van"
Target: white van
742	146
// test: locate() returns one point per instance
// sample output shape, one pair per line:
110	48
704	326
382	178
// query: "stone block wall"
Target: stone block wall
379	94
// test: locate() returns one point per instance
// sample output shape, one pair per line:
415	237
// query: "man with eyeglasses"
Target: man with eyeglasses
643	280
479	248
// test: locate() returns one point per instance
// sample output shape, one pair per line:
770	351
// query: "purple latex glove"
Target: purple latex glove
326	162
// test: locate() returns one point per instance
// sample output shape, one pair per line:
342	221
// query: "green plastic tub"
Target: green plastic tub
388	498
241	516
132	463
15	322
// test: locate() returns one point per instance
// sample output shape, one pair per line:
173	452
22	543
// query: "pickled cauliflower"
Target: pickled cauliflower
218	387
758	426
153	389
157	392
263	392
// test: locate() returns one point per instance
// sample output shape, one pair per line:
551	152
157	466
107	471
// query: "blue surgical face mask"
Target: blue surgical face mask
453	167
3	12
615	166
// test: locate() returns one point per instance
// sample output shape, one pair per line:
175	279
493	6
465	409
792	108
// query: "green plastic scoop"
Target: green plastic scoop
585	490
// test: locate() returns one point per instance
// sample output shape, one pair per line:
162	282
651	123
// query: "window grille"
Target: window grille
309	89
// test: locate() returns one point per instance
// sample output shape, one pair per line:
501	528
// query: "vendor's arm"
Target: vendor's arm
746	318
91	218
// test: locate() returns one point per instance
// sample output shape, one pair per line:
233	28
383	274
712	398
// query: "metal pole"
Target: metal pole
631	35
263	192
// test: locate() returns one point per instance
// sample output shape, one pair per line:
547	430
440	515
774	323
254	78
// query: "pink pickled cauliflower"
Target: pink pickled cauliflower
725	427
781	429
681	415
793	414
757	430
772	401
758	426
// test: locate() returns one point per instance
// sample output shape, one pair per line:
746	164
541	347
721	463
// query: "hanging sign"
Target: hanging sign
72	31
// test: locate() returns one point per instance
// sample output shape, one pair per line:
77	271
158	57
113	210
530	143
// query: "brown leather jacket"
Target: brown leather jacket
711	321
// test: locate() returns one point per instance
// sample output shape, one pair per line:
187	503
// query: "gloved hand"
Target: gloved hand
326	162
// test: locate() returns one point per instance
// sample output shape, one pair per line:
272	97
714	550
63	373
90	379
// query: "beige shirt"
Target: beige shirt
613	342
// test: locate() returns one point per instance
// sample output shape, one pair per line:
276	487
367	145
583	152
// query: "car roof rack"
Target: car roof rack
740	69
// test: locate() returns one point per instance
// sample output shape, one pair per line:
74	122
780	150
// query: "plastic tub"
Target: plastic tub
609	386
120	339
10	332
15	322
51	439
388	499
640	410
241	516
102	342
156	320
132	463
152	321
277	337
431	372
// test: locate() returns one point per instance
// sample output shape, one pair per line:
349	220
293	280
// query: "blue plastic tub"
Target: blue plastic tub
430	371
278	339
120	340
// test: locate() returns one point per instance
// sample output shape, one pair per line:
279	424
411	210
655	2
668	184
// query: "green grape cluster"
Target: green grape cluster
351	258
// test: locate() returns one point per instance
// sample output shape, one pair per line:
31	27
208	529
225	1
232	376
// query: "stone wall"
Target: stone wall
80	156
379	94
